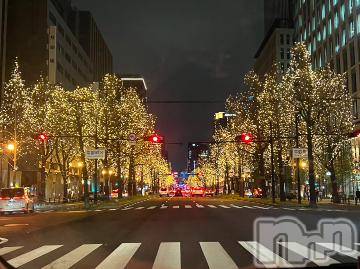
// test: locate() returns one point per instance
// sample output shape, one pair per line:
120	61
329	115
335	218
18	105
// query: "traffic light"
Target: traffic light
246	138
43	137
156	139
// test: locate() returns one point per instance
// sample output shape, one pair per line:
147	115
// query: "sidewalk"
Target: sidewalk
325	203
114	203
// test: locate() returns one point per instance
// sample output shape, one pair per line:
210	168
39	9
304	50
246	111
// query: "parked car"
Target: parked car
209	192
15	200
163	192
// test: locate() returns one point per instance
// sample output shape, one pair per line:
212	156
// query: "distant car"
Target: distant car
163	192
186	192
198	191
171	193
178	193
15	200
209	192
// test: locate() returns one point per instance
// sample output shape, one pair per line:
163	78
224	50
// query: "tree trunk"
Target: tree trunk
281	177
334	185
261	168
312	202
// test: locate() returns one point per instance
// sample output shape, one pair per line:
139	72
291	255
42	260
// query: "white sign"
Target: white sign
95	154
300	153
132	139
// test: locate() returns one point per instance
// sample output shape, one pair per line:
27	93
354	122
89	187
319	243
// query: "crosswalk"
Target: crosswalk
169	255
196	206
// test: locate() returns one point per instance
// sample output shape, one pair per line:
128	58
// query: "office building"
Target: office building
40	33
135	82
93	43
196	153
3	34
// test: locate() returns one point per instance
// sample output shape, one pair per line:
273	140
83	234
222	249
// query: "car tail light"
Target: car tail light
19	197
4	198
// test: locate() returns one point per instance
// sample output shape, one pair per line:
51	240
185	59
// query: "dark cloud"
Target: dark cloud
186	49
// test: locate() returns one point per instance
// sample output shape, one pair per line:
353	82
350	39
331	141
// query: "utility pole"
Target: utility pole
272	164
96	171
297	160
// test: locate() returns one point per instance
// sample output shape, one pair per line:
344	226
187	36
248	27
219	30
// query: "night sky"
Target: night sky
186	50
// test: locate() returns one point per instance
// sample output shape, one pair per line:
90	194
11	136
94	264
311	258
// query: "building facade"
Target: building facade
3	34
135	82
196	153
331	30
94	44
40	34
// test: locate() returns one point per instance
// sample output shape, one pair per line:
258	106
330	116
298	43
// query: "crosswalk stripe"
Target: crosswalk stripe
260	207
236	206
216	256
140	207
176	206
315	256
112	209
199	206
72	257
152	207
31	255
211	206
127	208
264	255
6	250
168	256
188	206
224	206
120	257
164	206
249	207
288	208
341	249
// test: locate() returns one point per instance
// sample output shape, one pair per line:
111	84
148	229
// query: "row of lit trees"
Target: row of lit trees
303	108
85	118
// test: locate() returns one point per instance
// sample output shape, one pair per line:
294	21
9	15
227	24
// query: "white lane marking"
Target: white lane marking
199	206
32	255
77	211
236	206
98	210
341	249
224	206
152	207
176	206
163	207
264	255
3	240
6	250
211	206
315	256
139	208
260	207
15	224
127	208
188	206
168	256
288	208
248	207
120	257
112	209
216	256
72	257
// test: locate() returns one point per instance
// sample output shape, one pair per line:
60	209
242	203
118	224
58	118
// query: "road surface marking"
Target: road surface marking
77	211
164	206
6	250
224	206
152	207
315	256
199	206
288	208
112	209
216	256
264	255
249	207
236	206
260	207
3	240
188	206
168	256
139	208
176	206
341	249
120	257
15	224
72	257
98	210
211	206
127	208
32	255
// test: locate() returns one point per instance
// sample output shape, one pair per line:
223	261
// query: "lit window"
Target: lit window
357	3
358	23
324	33
319	36
282	53
314	45
343	39
350	5
336	20
342	12
352	29
323	12
329	28
335	2
313	24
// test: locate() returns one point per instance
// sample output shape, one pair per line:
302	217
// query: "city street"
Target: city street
153	233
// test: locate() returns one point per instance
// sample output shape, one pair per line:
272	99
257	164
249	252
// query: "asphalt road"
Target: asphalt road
166	233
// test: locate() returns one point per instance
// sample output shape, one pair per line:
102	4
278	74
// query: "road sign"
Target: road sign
300	153
95	154
132	139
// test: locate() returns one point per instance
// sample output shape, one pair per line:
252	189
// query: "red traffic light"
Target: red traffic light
43	137
156	139
246	138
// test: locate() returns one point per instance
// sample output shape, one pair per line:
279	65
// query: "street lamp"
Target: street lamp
10	146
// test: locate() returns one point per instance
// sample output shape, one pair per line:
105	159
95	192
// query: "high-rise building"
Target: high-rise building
93	43
3	33
276	9
135	82
196	153
40	33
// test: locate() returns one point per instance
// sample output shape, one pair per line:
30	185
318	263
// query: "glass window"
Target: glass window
282	53
282	39
314	45
329	28
352	29
357	3
343	38
350	6
288	39
342	12
353	81
313	24
336	20
288	53
323	11
324	33
344	56
352	54
358	23
337	39
319	37
335	2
